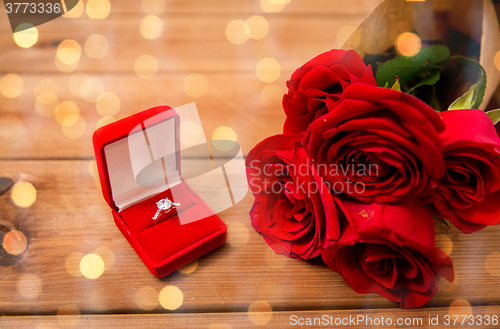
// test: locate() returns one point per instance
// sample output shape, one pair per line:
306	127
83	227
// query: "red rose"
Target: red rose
292	204
469	195
378	145
318	84
390	250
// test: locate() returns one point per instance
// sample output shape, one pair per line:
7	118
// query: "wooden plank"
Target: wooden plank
358	318
70	216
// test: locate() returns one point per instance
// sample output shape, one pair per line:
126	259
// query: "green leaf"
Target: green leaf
396	85
428	80
473	98
494	115
423	68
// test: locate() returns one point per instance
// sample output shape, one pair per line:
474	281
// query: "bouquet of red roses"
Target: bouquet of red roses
367	162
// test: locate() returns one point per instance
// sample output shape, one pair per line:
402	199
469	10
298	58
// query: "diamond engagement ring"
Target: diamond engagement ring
164	206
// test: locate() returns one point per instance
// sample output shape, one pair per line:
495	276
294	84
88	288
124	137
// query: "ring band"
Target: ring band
164	206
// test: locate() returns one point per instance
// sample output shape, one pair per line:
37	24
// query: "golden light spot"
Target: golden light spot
46	104
493	263
145	66
11	85
73	126
224	133
98	9
408	44
268	70
190	133
260	312
171	298
195	85
25	35
23	194
146	298
220	326
69	52
280	1
271	96
189	268
107	255
274	260
238	234
10	127
460	307
96	46
91	89
151	27
29	286
153	7
258	27
46	86
92	266
497	60
108	104
104	121
10	104
444	243
237	32
75	84
65	67
73	263
14	242
272	6
76	11
68	316
64	109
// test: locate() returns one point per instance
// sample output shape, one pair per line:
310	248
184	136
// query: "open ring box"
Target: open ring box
138	159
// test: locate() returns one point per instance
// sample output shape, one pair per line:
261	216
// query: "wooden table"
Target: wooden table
241	284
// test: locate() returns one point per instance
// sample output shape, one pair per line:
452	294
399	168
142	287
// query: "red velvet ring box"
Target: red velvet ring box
135	149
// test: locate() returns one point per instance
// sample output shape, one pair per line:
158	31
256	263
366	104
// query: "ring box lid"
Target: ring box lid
143	148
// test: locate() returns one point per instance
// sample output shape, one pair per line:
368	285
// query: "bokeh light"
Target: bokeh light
10	127
190	133
258	27
460	306
76	11
75	83
497	60
195	85
25	35
189	268
107	255
408	44
73	263
69	52
444	243
96	46
237	32
260	312
493	263
104	121
68	316
271	96
268	70
145	66
224	133
171	298
272	6
65	109
154	7
11	85
73	126
237	234
146	298
23	194
15	242
98	9
46	86
46	104
108	104
29	286
92	266
91	89
151	27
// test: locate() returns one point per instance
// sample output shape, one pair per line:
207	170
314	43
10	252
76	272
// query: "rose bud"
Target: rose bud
469	195
318	84
292	204
389	249
378	145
